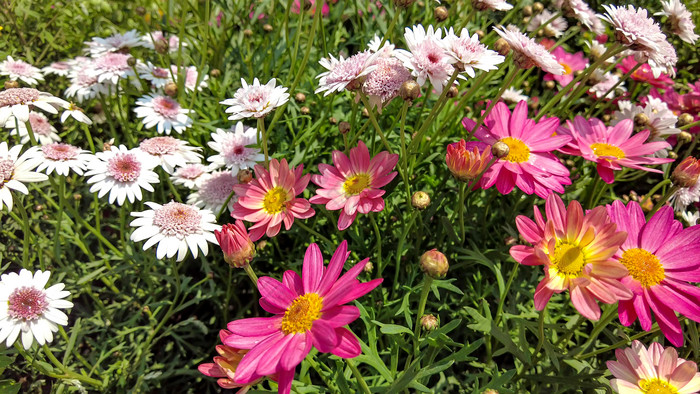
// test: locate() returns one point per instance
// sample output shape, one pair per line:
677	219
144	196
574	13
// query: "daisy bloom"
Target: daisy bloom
576	249
657	118
662	260
84	84
611	147
653	370
238	249
383	84
513	95
149	40
498	5
527	53
175	228
57	68
692	218
157	76
163	112
191	76
213	190
662	60
99	46
426	57
309	312
170	152
571	62
634	27
555	28
579	10
15	169
603	83
43	130
18	101
470	53
345	73
680	19
76	113
255	101
122	173
466	160
225	364
62	158
111	67
233	148
386	50
353	184
190	175
27	308
270	199
529	165
19	69
685	196
644	73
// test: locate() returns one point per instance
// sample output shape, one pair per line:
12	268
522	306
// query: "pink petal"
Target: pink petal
295	351
655	231
275	292
323	336
312	270
341	315
335	267
349	346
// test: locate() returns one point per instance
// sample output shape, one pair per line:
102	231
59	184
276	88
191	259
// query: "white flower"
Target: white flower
17	102
58	68
190	175
513	96
498	5
680	19
111	67
122	173
386	50
163	112
579	10
470	53
83	82
43	131
691	218
661	120
16	169
19	69
345	73
157	76
426	57
76	113
528	53
555	28
633	27
605	82
213	190
62	158
27	308
170	152
99	46
685	196
232	146
175	227
255	101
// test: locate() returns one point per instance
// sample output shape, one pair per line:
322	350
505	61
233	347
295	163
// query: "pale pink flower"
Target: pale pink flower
213	190
191	76
233	148
62	158
84	83
58	68
170	152
579	10
18	101
426	56
19	69
383	84
16	170
122	173
149	40
469	53
157	76
498	5
190	175
111	67
528	53
633	27
43	130
163	112
99	46
345	73
555	28
680	19
255	100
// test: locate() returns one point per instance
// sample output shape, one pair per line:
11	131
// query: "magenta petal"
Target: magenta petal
270	307
626	312
284	381
341	315
656	230
293	281
335	267
254	326
312	271
542	295
340	294
246	370
295	351
348	346
275	292
323	336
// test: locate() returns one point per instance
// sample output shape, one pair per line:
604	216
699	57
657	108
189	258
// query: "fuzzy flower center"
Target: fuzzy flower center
27	303
19	68
124	167
60	152
568	258
607	150
177	220
191	172
657	386
40	125
356	184
643	266
275	200
16	96
7	169
115	62
301	315
159	146
166	106
518	151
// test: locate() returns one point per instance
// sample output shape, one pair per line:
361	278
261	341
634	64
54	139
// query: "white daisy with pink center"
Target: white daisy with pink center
111	67
214	191
18	101
122	173
233	148
426	56
528	53
19	69
61	69
62	158
116	42
345	73
43	131
170	152
84	83
190	175
157	76
469	53
15	170
256	100
162	112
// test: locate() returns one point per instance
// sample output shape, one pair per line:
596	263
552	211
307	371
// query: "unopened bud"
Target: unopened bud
245	176
161	46
434	264
268	27
140	11
672	155
641	120
606	118
369	267
550	85
409	90
527	10
131	62
686	173
344	127
500	149
510	241
429	322
685	119
403	3
441	13
11	84
502	47
300	97
537	7
685	136
77	197
526	20
480	34
365	112
215	73
305	110
420	200
247	32
210	275
170	89
452	92
333	120
108	145
38	207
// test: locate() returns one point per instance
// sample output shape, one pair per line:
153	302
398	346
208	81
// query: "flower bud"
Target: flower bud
685	136
510	241
268	27
686	173
300	97
333	120
248	33
11	84
140	11
429	322
502	47
409	90
434	264
641	120
368	267
170	89
365	112
500	149
238	249
452	92
550	85
606	118
537	7
245	176
466	160
672	155
161	46
420	200
215	73
480	34
685	119
441	13
344	127
131	62
305	110
527	10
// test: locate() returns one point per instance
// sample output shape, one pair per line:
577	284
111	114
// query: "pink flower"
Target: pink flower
466	160
571	62
662	258
634	27
309	312
611	147
383	84
576	250
644	74
324	11
238	249
345	73
426	57
353	184
529	165
270	199
527	53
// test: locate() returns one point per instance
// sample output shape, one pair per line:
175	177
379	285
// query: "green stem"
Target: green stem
509	79
374	122
312	231
251	274
662	201
61	202
612	89
460	208
392	24
69	373
378	235
501	302
357	374
25	230
404	154
427	282
654	190
223	208
261	129
433	112
689	125
547	22
88	137
30	131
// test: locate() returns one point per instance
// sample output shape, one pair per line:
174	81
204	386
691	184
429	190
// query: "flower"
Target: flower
691	218
555	28
190	175
605	81
84	84
345	73
652	370
426	57
213	190
466	160
685	196
660	121
58	68
232	146
579	10
383	84
191	76
15	170
149	40
100	46
62	158
111	67
122	173
76	113
224	366
528	53
662	258
513	96
255	101
174	227
498	5
434	264
470	53
271	199
19	69
309	312
680	19
576	249
686	173
17	102
529	165
644	73
43	131
571	62
353	183
238	249
170	152
157	76
163	112
633	27
611	147
27	308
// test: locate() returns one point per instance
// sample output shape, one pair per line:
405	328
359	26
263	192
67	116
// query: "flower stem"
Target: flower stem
509	79
251	274
358	376
30	131
61	202
88	137
433	112
69	373
392	24
261	129
654	190
427	282
460	207
25	230
662	201
612	89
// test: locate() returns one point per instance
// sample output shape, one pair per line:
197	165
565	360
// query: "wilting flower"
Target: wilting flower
498	5
19	69
190	175
571	62
15	170
527	53
384	83
224	366
576	250
18	101
644	73
238	249
62	158
633	27
233	148
99	46
659	120
345	73
255	101
174	227
271	199
309	312
122	173
43	130
662	258
470	53
529	165
466	160
353	183
213	190
27	308
680	19
157	76
170	152
611	147
686	173
111	67
555	28
163	112
426	57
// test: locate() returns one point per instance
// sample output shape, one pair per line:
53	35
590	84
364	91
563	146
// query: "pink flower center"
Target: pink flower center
160	73
216	189
178	220
85	79
191	172
159	146
7	168
60	152
27	303
166	106
124	167
19	68
112	62
40	125
60	66
15	96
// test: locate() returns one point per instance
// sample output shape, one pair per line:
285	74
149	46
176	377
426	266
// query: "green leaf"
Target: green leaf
392	329
9	387
5	361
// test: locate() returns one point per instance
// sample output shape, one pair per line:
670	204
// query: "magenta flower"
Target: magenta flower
644	74
571	62
529	165
309	312
353	185
662	258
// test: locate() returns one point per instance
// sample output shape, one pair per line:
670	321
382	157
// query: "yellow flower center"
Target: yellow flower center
275	200
657	386
301	315
356	184
567	69
602	149
518	151
568	258
643	266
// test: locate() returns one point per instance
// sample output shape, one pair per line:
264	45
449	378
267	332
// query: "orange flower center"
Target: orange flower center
518	151
643	266
602	149
657	386
568	258
356	184
275	200
567	69
301	315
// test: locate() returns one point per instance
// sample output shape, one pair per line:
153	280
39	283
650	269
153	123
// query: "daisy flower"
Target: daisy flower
213	190
685	196
191	76
692	218
270	199
576	249
27	308
386	50
114	43
309	312
555	28
189	175
43	131
527	53
662	260
76	113
498	5
255	101
611	147
233	148
644	73
15	170
163	112
603	82
225	364
469	53
84	84
426	56
633	27
62	158
353	184
18	101
345	73
170	152
579	10
149	40
175	227
661	121
111	67
513	95
122	173
529	165
466	160
571	62
19	69
57	68
157	76
680	19
383	84
653	370
662	60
